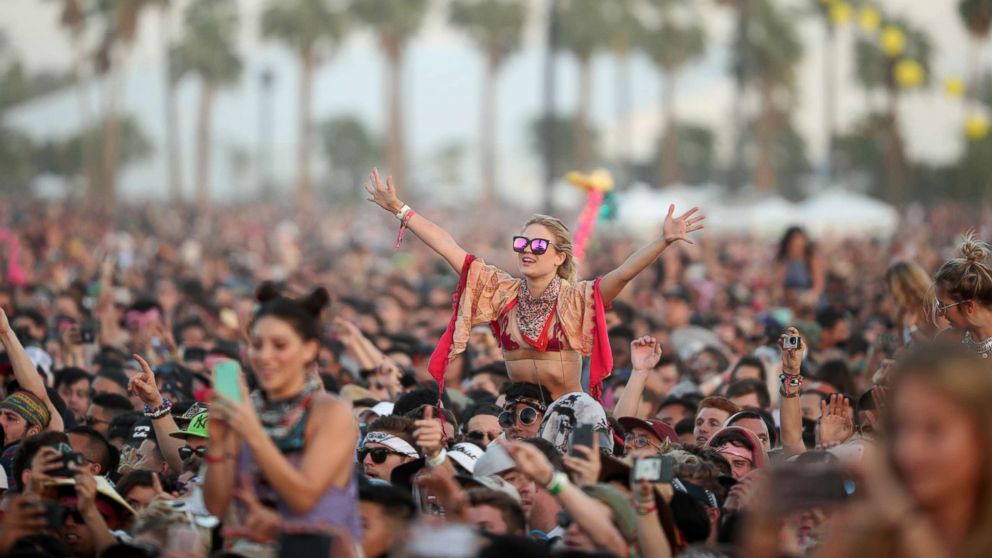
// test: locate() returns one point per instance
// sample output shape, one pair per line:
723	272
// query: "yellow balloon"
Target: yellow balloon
893	41
840	13
954	87
869	19
976	127
909	73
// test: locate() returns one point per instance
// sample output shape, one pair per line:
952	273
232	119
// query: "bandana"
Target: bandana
29	406
737	451
284	421
399	445
533	313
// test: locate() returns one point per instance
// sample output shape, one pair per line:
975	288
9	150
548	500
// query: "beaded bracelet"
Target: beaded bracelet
160	411
790	382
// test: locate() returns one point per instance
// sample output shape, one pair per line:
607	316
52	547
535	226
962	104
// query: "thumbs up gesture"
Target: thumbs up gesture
429	435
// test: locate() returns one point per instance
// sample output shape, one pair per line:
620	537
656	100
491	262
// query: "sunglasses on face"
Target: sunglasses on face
480	436
638	442
185	452
942	308
537	245
379	455
527	416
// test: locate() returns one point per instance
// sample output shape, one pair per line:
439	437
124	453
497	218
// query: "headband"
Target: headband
395	443
737	451
31	408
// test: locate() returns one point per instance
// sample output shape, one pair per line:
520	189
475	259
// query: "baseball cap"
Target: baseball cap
197	428
494	460
466	455
660	429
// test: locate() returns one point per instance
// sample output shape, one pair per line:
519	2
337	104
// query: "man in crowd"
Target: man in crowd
712	414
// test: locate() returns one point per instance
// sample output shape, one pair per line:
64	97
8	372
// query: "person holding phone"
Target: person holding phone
545	322
294	443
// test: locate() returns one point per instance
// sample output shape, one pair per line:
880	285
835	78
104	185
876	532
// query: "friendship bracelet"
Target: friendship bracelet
559	481
438	459
401	214
645	509
405	222
215	459
160	411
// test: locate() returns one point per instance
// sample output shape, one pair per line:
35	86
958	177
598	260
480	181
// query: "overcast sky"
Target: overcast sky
442	81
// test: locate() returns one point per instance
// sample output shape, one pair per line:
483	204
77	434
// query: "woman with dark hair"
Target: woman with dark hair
294	443
798	268
545	322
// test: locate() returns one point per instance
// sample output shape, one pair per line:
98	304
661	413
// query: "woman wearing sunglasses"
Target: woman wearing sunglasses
963	289
546	321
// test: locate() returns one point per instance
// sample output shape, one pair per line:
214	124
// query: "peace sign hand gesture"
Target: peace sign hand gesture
383	194
678	228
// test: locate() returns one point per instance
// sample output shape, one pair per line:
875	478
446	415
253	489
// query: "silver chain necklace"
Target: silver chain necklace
983	347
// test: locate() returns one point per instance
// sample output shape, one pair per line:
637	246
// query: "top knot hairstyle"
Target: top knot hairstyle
302	314
968	277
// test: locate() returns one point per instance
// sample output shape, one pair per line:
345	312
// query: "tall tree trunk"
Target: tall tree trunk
304	185
82	78
173	166
112	130
671	168
895	153
764	171
395	150
487	139
829	99
623	89
583	139
203	145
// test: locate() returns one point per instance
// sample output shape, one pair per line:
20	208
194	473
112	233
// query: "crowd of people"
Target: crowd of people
250	385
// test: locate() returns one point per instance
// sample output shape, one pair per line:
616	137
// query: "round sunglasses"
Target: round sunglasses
379	455
527	416
185	452
537	245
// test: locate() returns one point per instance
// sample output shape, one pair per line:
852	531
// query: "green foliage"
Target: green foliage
582	27
64	157
496	26
696	148
673	41
303	23
18	86
16	170
872	68
208	48
772	45
397	19
349	147
859	155
789	157
563	134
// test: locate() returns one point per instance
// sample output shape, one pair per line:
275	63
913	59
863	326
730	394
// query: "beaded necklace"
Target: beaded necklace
983	347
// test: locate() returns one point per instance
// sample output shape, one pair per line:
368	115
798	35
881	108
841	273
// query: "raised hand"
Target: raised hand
585	470
531	462
4	323
382	193
144	385
46	461
645	352
678	228
792	359
836	420
429	435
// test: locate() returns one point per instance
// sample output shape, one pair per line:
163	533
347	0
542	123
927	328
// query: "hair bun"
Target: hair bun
316	301
267	291
974	250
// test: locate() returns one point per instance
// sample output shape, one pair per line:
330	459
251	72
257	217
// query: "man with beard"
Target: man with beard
195	443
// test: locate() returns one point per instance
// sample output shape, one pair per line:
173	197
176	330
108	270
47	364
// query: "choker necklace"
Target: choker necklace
983	347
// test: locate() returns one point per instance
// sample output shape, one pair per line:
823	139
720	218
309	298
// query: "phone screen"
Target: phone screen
581	436
304	544
226	373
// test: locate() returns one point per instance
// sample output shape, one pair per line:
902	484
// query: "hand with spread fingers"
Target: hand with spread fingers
678	228
383	193
836	419
531	462
645	353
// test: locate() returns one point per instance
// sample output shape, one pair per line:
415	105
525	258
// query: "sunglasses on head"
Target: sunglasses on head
527	416
537	245
379	455
185	452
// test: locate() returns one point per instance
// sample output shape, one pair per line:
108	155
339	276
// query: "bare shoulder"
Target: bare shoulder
328	404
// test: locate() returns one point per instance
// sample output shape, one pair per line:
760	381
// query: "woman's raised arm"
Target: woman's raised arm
384	195
675	229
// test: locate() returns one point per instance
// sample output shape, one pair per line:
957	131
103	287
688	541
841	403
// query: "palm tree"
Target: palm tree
583	33
173	164
304	26
395	22
496	27
977	18
774	50
208	51
623	31
671	44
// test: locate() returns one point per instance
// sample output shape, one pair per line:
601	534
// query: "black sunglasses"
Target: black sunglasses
537	245
527	416
185	452
379	455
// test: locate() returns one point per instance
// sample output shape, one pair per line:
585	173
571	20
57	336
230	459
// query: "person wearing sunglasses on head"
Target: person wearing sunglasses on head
546	321
523	411
389	443
963	296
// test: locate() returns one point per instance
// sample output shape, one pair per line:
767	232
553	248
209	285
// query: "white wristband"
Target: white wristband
438	459
402	212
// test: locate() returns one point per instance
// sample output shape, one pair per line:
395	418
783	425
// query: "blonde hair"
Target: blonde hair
562	241
966	380
910	285
968	277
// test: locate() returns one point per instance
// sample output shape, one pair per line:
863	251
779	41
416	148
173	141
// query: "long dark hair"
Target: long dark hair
783	247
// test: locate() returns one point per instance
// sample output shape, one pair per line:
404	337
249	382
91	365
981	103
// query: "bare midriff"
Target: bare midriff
557	376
